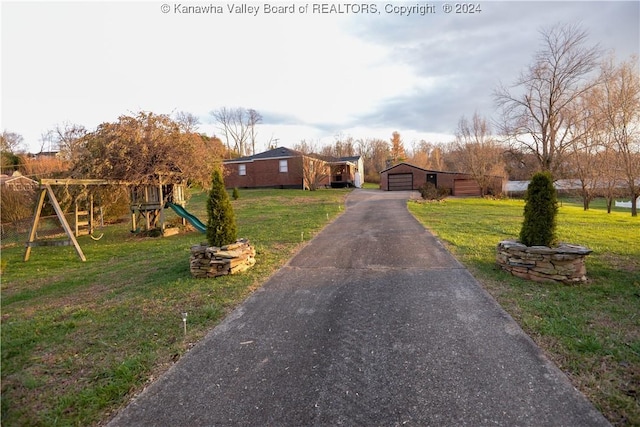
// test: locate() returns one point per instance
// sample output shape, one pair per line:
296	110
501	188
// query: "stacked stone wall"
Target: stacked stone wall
211	261
564	263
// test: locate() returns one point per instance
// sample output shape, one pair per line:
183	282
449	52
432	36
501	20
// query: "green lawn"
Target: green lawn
591	331
80	338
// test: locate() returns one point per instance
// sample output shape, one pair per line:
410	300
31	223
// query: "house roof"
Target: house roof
47	154
279	152
350	158
284	152
431	170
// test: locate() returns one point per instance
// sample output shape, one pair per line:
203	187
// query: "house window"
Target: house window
242	169
283	166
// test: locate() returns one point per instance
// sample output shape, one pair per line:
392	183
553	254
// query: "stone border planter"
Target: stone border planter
564	263
210	261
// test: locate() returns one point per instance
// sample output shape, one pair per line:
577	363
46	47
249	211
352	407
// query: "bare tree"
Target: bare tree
608	162
344	146
478	151
436	158
586	140
419	154
430	155
620	107
520	166
238	125
188	121
253	118
375	153
223	119
10	142
314	169
535	110
69	139
47	141
360	147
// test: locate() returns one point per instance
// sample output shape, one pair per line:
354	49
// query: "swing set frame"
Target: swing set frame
147	201
46	190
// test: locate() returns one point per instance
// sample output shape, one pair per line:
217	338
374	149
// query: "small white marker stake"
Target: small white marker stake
184	322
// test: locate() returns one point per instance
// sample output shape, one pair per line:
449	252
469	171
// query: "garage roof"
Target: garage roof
416	167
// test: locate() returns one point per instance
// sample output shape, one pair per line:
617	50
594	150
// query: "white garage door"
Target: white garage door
400	182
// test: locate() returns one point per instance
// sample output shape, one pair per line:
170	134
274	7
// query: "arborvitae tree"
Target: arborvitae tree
540	210
221	227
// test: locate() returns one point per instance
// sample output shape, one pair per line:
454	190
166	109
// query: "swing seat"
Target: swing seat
49	243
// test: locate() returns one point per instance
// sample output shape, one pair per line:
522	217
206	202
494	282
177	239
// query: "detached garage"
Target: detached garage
407	177
400	181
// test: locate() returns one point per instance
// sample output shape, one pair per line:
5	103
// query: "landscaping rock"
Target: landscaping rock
564	263
211	261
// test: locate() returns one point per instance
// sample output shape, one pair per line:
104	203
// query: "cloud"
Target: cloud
459	61
310	76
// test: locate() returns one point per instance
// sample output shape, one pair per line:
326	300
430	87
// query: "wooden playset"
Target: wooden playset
148	203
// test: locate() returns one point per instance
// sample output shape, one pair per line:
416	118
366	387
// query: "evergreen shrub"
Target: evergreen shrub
540	211
221	225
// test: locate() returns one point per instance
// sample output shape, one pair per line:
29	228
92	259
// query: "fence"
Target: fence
627	204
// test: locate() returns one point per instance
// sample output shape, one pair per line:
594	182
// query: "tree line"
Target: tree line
577	113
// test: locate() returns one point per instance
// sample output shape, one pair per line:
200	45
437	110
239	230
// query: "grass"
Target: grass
79	339
591	331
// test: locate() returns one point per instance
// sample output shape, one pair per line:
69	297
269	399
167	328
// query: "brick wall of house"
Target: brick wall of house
265	173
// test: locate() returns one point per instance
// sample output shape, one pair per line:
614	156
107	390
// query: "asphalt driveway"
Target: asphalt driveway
372	323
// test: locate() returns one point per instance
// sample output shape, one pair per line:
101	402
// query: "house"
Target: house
283	167
347	171
405	176
18	182
46	155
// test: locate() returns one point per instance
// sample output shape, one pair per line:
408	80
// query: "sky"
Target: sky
314	71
